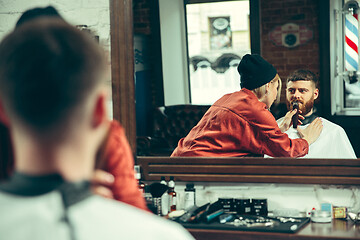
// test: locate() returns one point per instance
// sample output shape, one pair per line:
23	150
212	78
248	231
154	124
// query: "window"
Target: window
218	35
345	75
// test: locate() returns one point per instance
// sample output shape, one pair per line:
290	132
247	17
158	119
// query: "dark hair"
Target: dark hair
35	13
303	75
47	69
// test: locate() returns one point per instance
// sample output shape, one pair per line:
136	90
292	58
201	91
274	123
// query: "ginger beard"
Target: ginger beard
304	107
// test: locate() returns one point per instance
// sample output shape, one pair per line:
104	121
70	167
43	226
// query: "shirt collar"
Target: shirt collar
309	119
27	186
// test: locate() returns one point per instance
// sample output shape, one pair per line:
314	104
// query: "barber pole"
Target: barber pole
351	42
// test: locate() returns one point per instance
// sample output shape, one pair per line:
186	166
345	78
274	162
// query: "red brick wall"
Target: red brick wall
278	12
141	13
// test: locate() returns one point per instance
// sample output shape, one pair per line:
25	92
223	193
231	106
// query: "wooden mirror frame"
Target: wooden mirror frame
122	67
249	170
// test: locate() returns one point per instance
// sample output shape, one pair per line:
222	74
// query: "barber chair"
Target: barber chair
170	124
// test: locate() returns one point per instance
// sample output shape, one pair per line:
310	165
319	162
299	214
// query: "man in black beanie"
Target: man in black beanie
250	74
240	124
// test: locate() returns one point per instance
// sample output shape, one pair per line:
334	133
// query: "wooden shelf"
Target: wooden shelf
253	170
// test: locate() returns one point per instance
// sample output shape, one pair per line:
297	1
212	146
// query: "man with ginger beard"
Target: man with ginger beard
240	124
301	87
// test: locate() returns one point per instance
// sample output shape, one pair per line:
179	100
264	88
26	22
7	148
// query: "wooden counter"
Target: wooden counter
338	229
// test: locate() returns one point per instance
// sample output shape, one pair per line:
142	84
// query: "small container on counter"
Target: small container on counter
189	197
321	216
227	204
259	207
242	206
340	212
172	196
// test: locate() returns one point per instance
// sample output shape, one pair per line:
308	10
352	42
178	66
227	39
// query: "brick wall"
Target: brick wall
93	13
141	12
285	60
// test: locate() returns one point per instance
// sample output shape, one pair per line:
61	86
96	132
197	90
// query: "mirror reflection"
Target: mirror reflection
218	35
289	41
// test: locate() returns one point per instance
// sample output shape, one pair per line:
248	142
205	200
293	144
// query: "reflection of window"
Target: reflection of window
218	36
345	75
220	33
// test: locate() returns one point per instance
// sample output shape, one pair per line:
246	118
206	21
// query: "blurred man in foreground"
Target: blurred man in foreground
114	174
53	92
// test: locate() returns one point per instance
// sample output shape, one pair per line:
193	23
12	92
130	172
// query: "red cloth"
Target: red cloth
239	125
3	118
119	162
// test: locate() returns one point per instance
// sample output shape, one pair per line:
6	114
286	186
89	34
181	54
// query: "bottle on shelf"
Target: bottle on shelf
189	197
141	185
164	199
163	181
172	195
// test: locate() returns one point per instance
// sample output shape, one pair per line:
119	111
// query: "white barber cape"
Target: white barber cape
332	142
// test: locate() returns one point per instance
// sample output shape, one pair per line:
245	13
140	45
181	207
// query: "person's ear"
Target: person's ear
99	113
316	93
267	86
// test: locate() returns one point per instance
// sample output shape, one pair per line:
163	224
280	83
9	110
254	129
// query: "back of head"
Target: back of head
303	75
36	13
48	68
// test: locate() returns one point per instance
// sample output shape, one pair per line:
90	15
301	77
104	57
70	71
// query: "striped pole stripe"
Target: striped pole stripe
351	42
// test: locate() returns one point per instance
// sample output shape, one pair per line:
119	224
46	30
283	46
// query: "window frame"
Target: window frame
255	30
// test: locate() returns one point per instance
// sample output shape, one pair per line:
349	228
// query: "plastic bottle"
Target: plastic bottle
189	198
172	195
141	185
164	199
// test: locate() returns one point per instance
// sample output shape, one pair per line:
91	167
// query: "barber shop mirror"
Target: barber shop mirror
122	74
188	76
195	48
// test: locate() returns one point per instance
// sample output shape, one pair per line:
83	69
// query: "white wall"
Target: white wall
93	13
302	197
173	50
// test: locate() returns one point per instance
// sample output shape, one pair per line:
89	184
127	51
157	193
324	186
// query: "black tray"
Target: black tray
278	226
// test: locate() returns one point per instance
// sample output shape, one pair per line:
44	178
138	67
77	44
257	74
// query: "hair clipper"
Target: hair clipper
295	118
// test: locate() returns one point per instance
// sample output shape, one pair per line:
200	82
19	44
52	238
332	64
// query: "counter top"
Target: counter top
337	229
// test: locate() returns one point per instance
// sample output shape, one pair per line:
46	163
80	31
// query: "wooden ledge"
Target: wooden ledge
252	170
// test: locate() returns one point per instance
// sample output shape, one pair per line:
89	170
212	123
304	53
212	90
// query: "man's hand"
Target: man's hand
101	183
287	122
311	132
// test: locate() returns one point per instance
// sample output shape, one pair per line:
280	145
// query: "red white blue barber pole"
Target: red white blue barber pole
351	42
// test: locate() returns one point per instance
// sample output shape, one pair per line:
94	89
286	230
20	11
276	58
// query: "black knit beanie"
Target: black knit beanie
255	71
